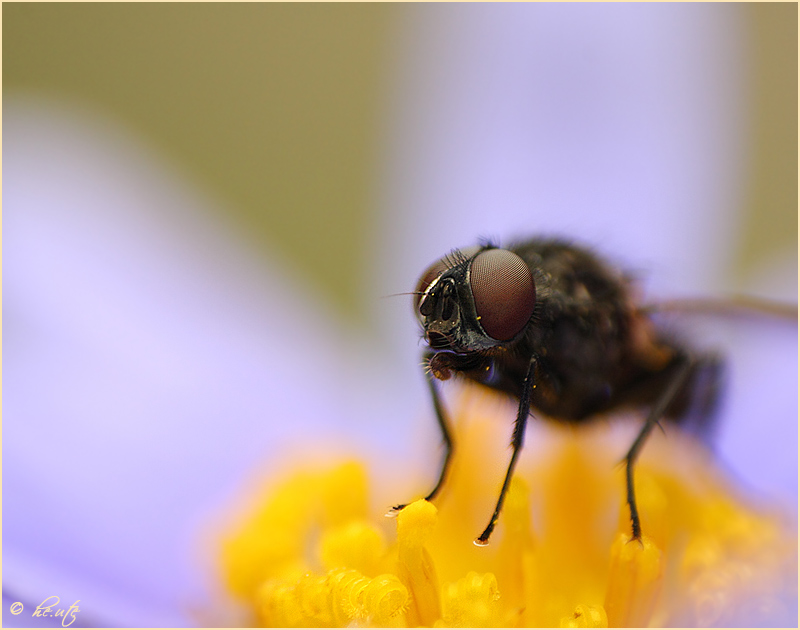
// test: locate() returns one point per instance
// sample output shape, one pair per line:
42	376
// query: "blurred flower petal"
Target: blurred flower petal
151	363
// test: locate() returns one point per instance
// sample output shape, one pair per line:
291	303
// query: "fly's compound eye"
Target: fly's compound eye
504	292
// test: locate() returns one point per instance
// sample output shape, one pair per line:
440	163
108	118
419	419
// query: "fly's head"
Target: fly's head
475	299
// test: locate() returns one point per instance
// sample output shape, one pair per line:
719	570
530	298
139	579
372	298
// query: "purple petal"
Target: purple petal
151	364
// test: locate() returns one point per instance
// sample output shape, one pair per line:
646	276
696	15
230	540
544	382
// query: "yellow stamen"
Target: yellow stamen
634	581
415	567
586	617
358	545
472	602
316	552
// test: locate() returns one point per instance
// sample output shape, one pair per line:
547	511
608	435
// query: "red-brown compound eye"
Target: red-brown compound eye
504	293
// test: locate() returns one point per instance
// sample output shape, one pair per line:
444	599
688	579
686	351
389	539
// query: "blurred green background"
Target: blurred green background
279	111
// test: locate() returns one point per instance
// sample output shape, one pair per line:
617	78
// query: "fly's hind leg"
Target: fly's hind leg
683	370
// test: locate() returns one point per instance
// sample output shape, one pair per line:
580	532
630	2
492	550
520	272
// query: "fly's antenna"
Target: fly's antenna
404	293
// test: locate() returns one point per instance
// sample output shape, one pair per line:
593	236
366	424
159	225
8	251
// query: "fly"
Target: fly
560	329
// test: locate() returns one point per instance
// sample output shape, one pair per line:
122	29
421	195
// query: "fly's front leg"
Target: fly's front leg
434	370
516	444
446	436
682	372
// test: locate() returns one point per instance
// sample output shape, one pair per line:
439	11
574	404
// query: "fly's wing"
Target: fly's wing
733	306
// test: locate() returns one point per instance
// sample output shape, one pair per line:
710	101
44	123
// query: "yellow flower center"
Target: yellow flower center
315	552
